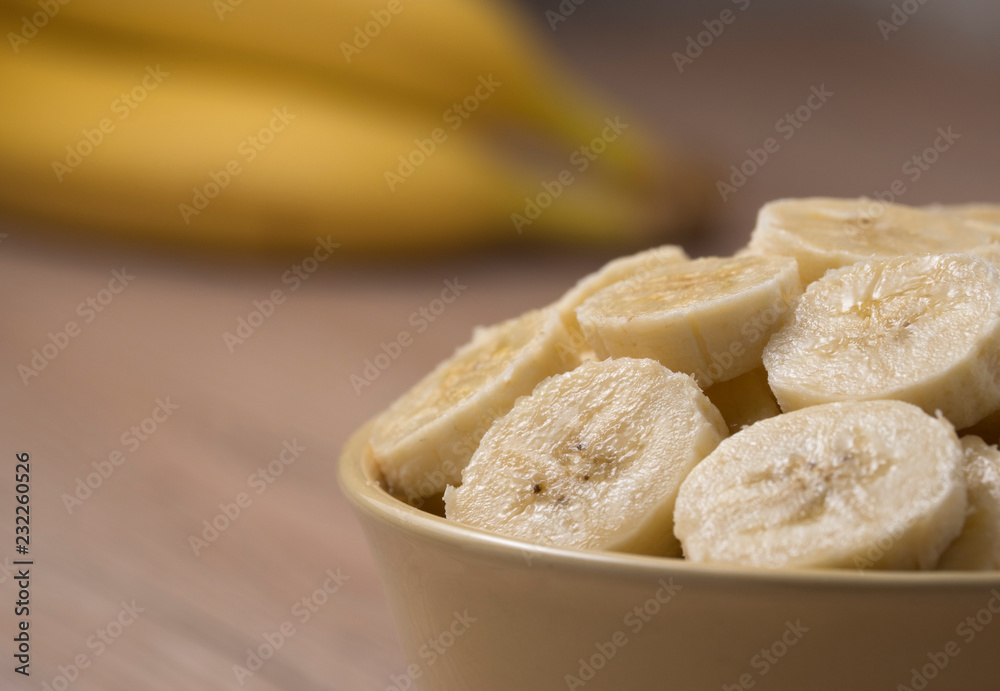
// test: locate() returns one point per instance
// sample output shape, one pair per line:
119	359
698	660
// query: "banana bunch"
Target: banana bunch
794	405
383	124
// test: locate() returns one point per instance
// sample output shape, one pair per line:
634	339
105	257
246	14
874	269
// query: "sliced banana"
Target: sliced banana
708	317
986	214
592	459
989	427
744	400
622	272
422	442
865	484
824	233
990	253
978	547
923	329
625	272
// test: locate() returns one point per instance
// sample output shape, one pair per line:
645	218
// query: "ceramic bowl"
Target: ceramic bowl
480	612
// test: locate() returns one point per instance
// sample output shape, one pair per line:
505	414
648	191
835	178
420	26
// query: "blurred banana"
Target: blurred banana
256	131
431	52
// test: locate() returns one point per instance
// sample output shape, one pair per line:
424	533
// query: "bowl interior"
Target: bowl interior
362	483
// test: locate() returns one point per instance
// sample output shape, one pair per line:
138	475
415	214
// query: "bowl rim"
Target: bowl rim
359	483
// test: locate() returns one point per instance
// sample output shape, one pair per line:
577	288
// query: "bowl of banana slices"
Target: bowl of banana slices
773	470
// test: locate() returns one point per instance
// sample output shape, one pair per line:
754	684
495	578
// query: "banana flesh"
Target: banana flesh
986	214
708	317
978	546
869	484
922	328
826	233
422	442
592	459
624	273
874	365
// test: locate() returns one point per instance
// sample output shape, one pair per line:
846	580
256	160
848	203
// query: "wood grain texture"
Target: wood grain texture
160	339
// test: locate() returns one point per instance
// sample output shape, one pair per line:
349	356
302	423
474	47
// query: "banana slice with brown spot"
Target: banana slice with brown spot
592	459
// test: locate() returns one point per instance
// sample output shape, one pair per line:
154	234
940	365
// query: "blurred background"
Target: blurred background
228	229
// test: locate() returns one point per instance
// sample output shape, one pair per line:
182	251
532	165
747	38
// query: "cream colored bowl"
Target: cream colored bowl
479	612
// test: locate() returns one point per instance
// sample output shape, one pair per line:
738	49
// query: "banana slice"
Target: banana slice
986	214
923	329
823	233
744	400
622	272
625	272
869	484
708	317
989	427
591	460
978	547
990	253
422	442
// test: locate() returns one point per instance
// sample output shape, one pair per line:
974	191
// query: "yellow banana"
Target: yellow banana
179	147
431	53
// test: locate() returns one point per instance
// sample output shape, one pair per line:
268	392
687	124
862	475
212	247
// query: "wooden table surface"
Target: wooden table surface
181	424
